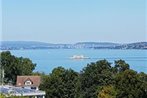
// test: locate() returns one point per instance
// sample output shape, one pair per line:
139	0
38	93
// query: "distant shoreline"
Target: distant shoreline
27	45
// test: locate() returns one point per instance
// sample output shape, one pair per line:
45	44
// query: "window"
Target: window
28	82
33	88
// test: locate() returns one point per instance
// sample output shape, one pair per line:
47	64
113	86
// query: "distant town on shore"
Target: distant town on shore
22	45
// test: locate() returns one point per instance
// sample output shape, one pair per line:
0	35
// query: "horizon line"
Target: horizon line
71	43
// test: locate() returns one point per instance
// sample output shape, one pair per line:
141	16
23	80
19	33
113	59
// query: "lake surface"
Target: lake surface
49	59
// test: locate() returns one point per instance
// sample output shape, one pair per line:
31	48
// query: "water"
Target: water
47	60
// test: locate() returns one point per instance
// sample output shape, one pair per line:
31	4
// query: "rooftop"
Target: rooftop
18	91
22	79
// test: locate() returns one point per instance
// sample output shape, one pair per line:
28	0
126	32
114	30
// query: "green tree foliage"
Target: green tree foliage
26	66
61	83
2	96
107	92
94	76
143	76
96	80
14	66
130	85
120	66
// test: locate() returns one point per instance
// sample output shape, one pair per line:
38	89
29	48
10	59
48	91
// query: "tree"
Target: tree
143	78
107	92
121	65
61	83
94	76
25	66
130	85
14	66
8	63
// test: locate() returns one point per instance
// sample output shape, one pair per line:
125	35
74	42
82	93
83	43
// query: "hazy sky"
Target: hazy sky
70	21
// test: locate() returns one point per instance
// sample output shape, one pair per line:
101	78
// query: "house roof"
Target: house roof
22	79
19	91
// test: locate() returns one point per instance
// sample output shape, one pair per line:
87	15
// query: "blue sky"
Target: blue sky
70	21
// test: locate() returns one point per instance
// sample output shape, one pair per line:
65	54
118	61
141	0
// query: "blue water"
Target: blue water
47	60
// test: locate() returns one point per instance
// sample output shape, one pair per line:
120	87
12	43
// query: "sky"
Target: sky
70	21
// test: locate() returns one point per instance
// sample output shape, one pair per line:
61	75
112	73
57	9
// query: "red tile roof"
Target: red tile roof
22	79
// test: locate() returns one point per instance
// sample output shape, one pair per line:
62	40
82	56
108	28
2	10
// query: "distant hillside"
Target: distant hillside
16	45
22	45
96	45
138	45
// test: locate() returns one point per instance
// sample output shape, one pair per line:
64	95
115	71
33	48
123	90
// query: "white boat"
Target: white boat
79	57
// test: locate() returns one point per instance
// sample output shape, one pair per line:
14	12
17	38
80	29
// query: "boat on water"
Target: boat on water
79	57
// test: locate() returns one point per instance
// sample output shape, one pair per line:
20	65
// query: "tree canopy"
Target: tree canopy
94	76
14	66
96	80
129	84
61	83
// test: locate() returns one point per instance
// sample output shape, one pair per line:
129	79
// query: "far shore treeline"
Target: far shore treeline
96	80
24	45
